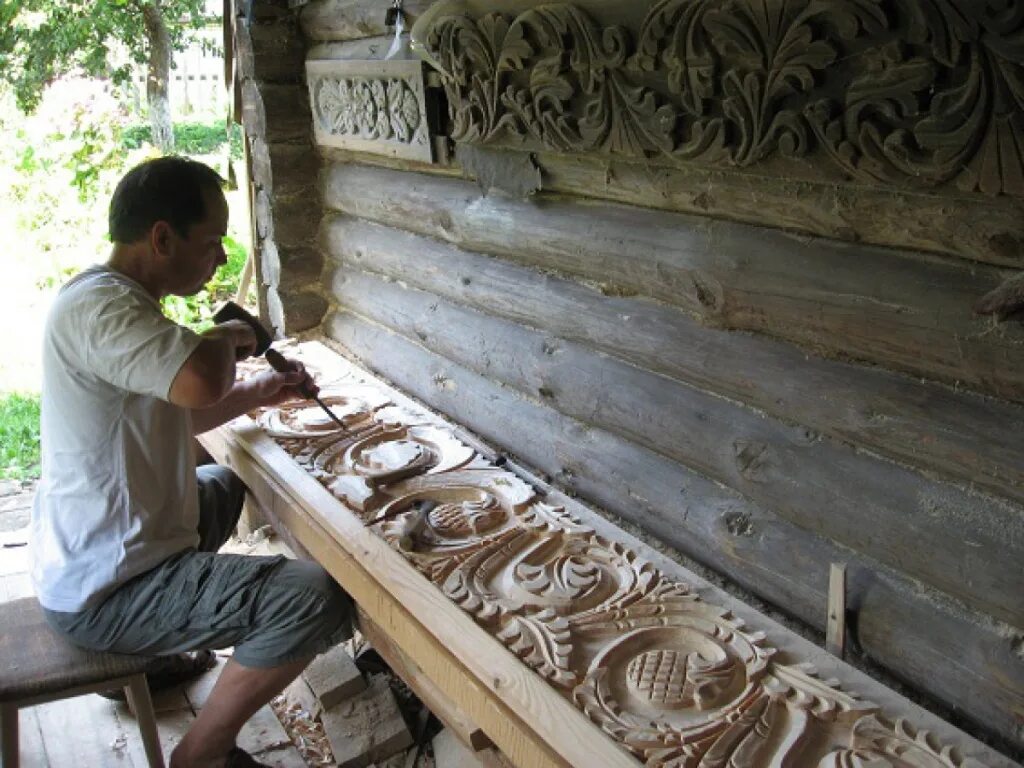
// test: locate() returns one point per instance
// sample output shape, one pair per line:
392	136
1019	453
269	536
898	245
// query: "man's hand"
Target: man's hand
266	389
273	388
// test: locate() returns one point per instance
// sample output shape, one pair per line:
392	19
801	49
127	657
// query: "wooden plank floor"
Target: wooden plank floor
93	731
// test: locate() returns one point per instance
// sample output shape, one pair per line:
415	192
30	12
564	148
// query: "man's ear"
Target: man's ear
160	237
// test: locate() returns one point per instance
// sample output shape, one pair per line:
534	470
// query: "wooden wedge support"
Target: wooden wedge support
436	700
525	619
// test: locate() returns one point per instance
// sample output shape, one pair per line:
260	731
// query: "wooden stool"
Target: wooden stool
37	665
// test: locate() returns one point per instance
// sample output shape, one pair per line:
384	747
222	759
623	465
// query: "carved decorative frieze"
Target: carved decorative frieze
371	106
912	93
675	680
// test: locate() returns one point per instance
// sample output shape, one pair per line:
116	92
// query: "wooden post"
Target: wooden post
835	631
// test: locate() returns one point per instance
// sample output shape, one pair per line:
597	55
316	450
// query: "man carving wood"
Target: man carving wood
125	528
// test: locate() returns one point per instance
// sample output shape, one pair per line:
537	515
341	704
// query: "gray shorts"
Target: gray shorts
271	609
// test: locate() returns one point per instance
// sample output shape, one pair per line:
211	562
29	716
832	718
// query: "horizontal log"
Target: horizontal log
958	656
903	310
873	506
353	19
975	227
959	435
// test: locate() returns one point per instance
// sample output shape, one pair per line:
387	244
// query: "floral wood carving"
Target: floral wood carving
678	682
372	106
913	93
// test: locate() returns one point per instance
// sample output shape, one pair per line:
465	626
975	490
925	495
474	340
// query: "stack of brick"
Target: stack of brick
360	718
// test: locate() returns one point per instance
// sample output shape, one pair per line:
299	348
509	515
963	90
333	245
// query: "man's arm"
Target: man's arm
208	374
266	389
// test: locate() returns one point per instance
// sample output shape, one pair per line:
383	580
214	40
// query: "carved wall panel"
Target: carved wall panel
370	106
675	680
911	93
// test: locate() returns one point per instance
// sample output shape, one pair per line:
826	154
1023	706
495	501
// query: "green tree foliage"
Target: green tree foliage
41	40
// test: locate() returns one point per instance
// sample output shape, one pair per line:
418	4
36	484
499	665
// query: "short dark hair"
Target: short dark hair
163	189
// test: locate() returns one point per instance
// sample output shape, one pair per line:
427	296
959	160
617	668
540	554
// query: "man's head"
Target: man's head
174	211
170	189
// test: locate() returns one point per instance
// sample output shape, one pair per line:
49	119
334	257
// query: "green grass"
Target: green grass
19	436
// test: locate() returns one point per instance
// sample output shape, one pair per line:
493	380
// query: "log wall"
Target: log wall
769	372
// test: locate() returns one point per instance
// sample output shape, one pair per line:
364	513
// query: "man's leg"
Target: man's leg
238	695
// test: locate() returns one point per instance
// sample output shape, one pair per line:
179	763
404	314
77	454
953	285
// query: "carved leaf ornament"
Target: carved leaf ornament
677	681
902	92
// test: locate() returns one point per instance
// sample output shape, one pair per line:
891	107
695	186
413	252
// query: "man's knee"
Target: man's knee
302	612
307	578
221	495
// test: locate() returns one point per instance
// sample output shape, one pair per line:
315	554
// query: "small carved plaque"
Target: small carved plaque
373	106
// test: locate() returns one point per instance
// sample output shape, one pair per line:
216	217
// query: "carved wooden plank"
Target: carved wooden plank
903	310
912	631
972	439
872	506
503	558
372	106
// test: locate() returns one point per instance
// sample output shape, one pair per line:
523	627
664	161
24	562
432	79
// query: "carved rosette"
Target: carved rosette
675	685
909	93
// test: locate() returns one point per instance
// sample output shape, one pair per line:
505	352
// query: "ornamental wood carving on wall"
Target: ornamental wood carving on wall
675	680
370	106
910	93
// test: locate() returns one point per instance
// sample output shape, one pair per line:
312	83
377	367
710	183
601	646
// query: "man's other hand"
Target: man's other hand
274	388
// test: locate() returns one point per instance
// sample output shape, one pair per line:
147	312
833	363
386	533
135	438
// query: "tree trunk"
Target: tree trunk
158	77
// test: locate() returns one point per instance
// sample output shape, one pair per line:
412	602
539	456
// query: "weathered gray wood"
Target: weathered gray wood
957	434
989	230
904	310
966	545
364	48
352	19
960	657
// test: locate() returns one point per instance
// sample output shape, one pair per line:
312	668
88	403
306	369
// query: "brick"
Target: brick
333	677
366	728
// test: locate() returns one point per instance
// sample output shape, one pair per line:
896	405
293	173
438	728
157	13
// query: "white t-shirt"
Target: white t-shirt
118	494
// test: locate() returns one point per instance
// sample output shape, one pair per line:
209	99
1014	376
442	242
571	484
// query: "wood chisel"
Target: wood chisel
232	311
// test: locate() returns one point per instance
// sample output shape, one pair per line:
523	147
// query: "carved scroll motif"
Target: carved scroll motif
373	106
675	680
910	93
